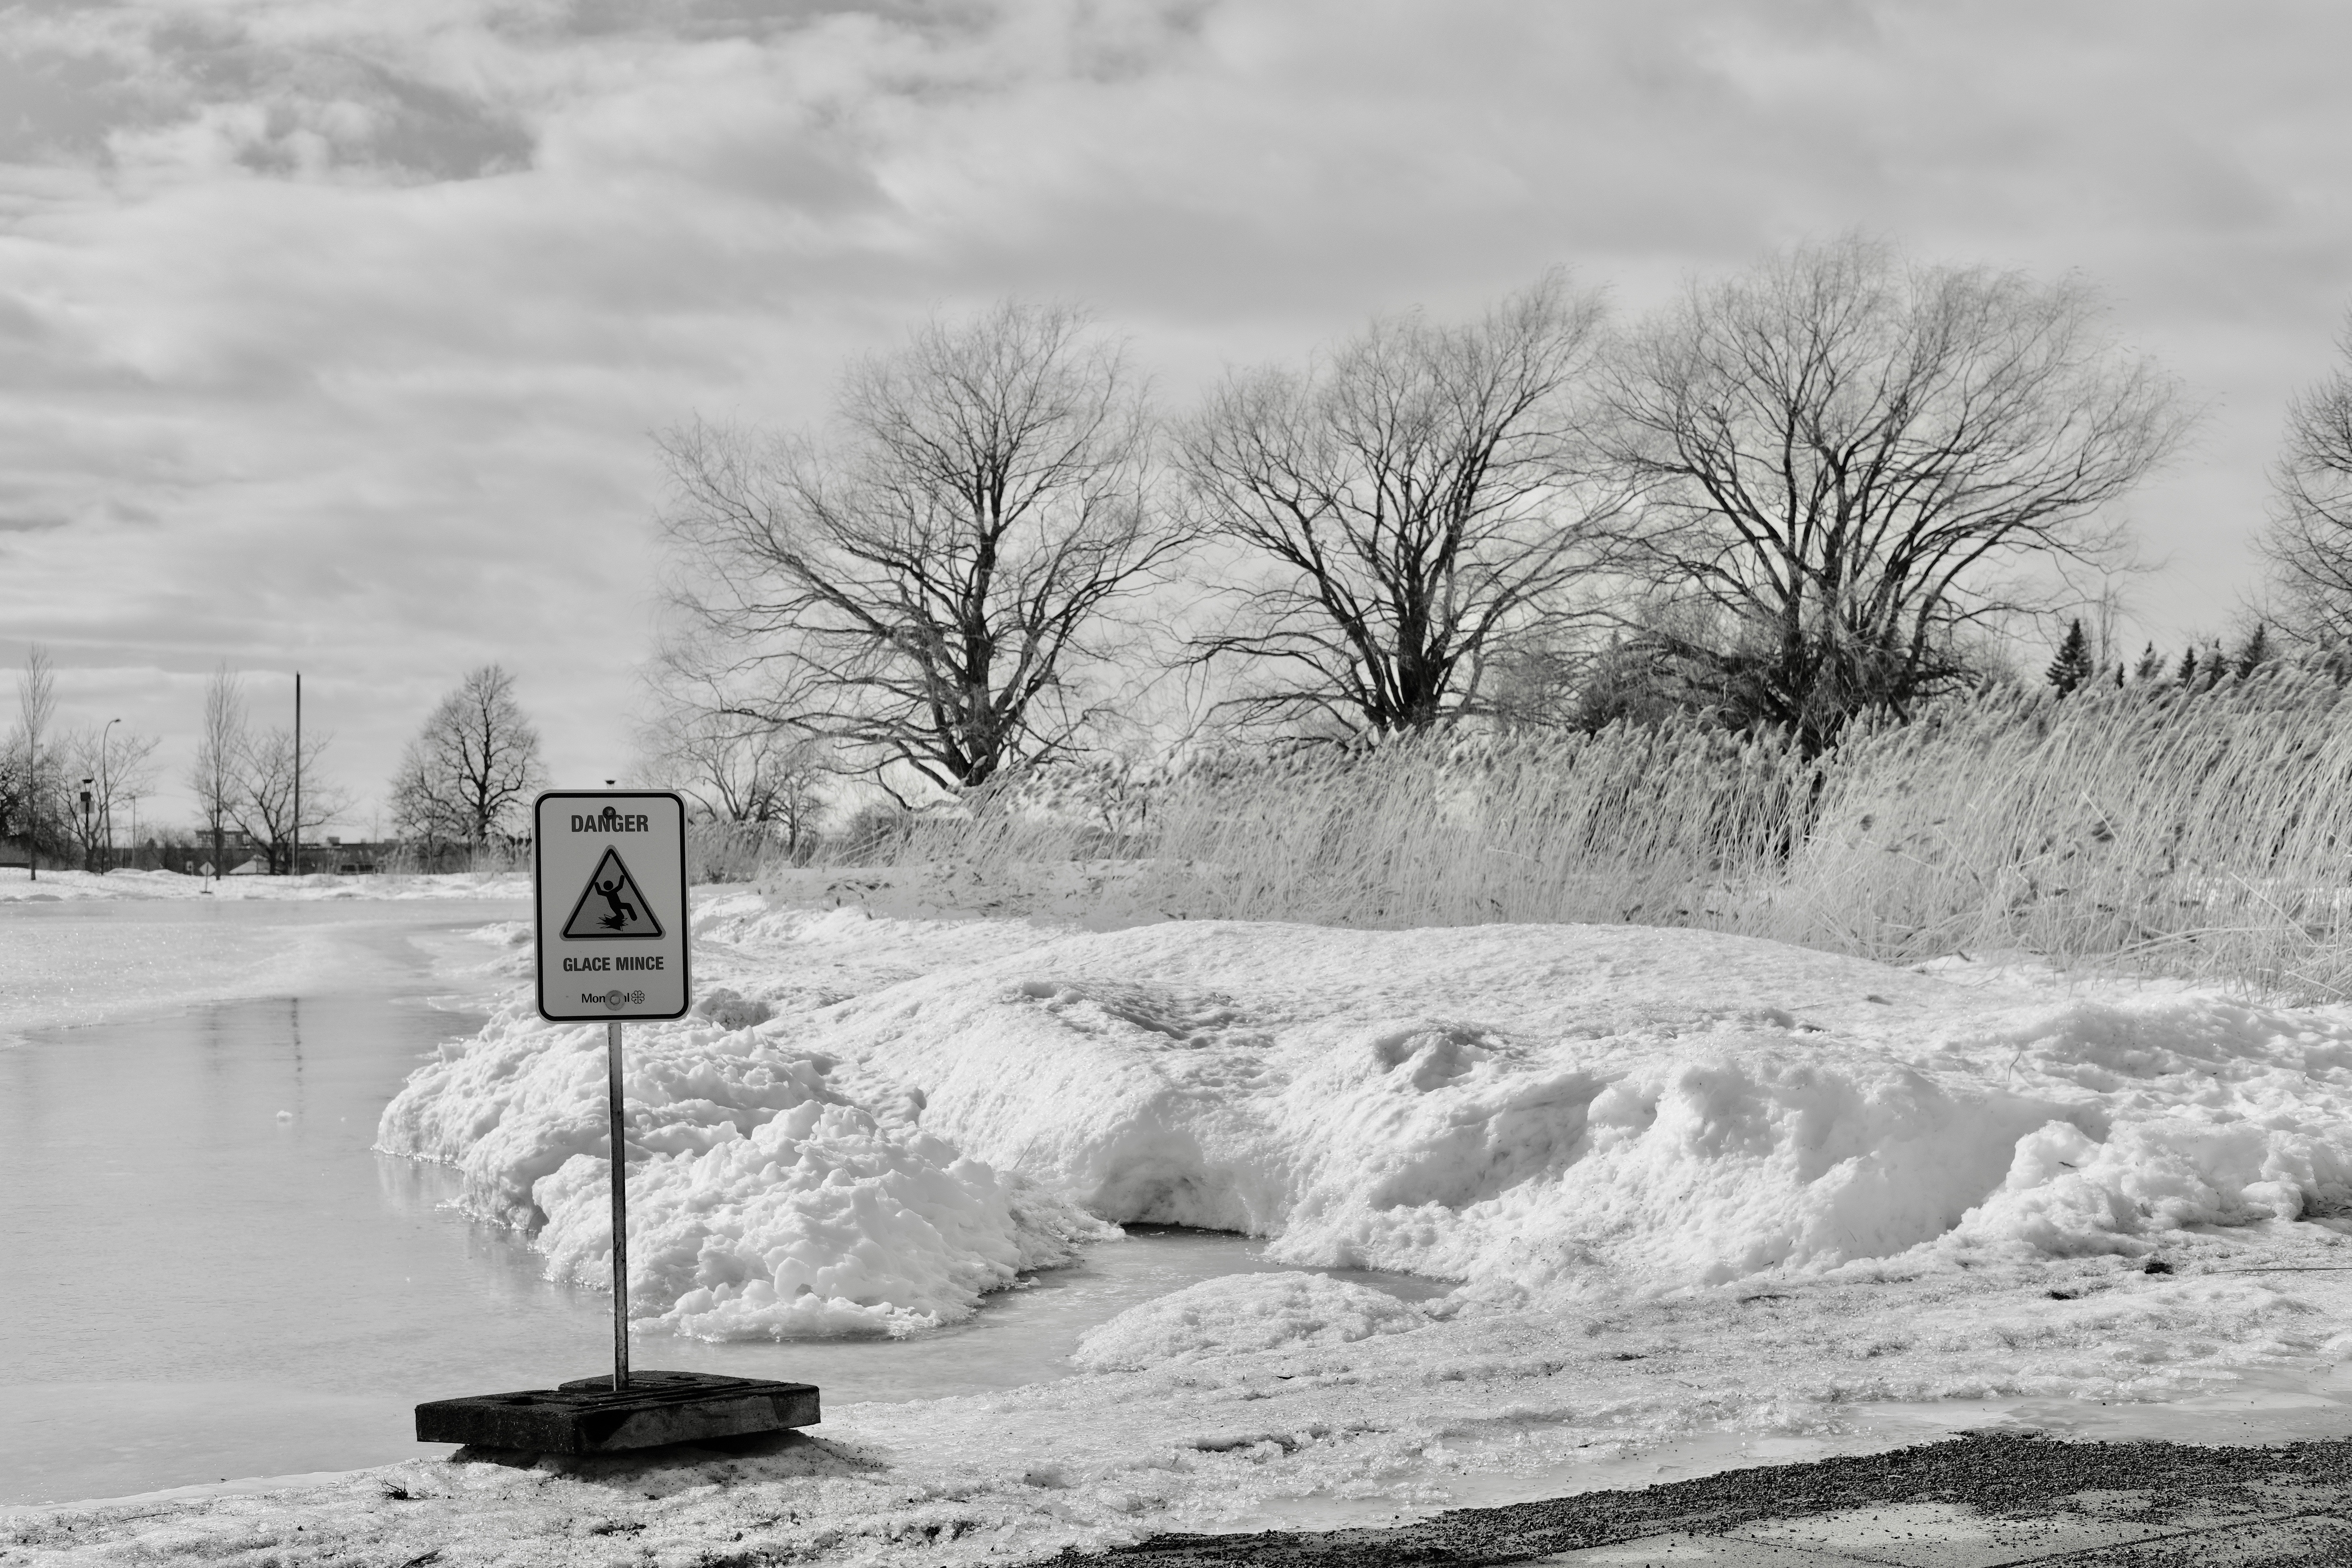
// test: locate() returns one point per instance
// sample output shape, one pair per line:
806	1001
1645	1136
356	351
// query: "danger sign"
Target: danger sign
609	872
630	914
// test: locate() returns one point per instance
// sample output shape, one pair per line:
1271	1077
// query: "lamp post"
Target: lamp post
294	855
106	798
89	841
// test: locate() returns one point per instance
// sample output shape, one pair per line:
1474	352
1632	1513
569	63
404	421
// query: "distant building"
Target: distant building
242	856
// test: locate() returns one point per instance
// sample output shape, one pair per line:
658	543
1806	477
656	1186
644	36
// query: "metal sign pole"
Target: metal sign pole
608	880
620	1210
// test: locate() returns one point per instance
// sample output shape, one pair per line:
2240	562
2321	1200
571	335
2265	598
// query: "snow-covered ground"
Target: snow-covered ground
1691	1190
81	949
60	886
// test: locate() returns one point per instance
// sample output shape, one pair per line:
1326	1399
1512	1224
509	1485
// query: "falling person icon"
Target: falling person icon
612	907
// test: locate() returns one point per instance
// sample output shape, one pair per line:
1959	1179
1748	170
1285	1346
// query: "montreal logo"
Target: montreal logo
616	998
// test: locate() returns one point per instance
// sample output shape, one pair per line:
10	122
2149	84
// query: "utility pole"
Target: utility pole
294	860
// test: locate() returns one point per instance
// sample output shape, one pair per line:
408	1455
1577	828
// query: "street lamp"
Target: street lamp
106	797
89	843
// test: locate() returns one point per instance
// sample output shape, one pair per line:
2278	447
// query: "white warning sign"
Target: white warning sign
609	872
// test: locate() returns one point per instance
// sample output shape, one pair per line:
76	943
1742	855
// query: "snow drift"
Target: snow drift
1532	1111
760	1203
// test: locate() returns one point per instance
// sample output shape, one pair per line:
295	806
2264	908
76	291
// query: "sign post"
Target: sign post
608	880
620	1207
611	945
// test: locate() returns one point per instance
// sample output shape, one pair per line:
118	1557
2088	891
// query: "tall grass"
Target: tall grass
740	852
2205	834
1661	826
495	858
2208	834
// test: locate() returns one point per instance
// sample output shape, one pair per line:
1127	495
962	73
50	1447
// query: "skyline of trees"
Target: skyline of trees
1835	481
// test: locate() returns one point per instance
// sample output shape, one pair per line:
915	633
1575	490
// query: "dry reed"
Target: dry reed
2202	833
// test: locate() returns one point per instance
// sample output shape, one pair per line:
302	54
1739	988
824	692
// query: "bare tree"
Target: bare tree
35	775
470	772
1418	506
929	586
22	798
2308	541
711	743
1854	459
110	767
217	777
265	804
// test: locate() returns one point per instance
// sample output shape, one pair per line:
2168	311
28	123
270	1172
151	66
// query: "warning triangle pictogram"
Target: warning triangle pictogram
610	905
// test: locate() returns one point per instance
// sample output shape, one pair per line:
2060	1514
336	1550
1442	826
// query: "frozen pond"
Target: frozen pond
210	1275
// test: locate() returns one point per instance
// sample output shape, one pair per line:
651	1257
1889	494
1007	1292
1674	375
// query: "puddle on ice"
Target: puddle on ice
212	1276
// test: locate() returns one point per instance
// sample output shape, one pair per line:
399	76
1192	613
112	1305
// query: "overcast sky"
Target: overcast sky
332	332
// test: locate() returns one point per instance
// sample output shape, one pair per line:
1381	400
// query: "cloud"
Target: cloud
332	334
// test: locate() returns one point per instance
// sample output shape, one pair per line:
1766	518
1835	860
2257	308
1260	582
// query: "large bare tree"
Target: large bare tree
1413	508
268	797
2309	538
473	767
929	586
217	775
32	772
1854	461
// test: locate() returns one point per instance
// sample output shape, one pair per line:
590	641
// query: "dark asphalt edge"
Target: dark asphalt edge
2011	1475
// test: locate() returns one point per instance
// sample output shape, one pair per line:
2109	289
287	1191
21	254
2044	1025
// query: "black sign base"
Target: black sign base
587	1417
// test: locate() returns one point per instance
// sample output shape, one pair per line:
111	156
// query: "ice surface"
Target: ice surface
1244	1312
77	962
55	886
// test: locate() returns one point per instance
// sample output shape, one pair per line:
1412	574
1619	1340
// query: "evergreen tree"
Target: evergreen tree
2150	666
2073	666
2187	670
2256	652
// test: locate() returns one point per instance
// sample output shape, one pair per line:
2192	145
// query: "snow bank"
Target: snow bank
762	1204
1534	1111
1242	1313
821	1221
2196	1109
1550	1108
1533	1108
